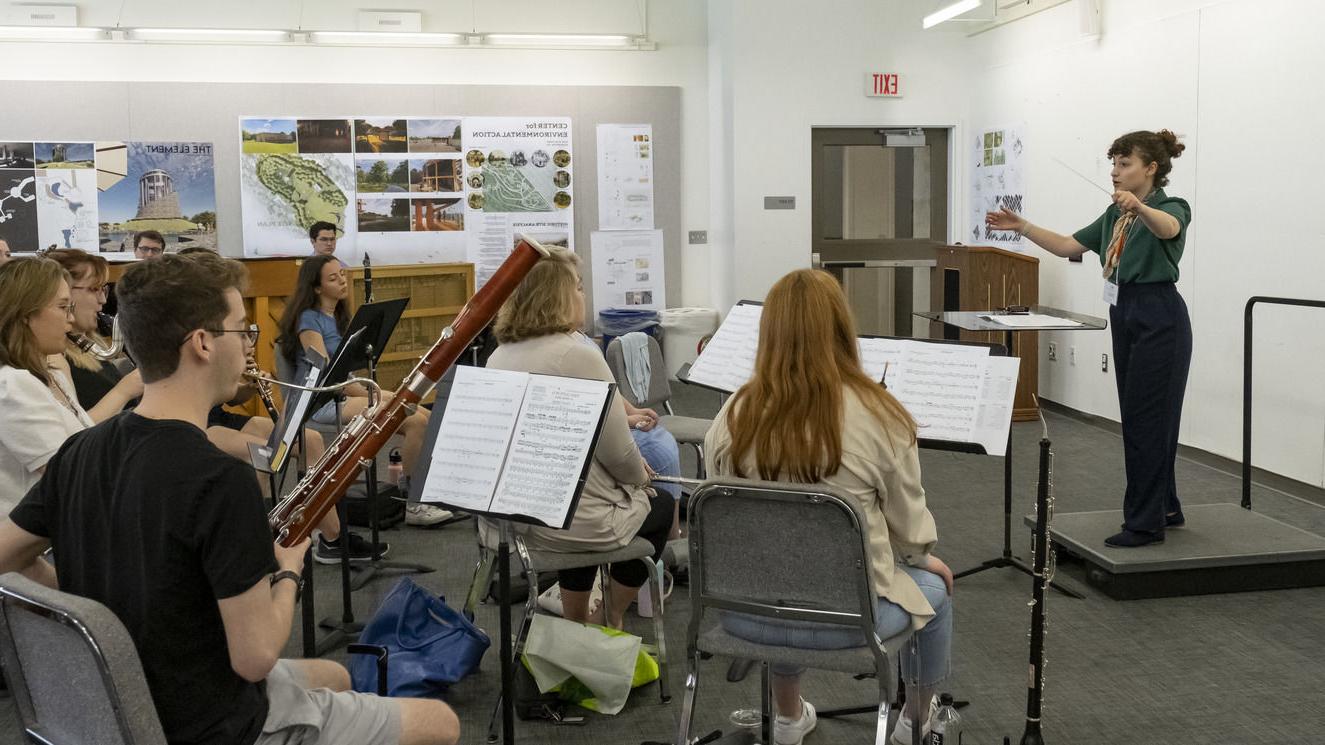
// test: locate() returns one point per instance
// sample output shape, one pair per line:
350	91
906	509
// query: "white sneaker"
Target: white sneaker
789	732
550	599
902	730
425	515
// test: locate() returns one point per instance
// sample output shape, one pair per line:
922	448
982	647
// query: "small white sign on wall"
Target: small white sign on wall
883	85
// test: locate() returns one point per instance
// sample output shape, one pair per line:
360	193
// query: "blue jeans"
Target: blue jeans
662	454
935	639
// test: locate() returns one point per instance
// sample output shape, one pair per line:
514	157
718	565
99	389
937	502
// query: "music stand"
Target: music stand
365	339
980	321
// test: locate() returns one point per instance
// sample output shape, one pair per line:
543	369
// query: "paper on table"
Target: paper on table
1030	321
728	360
471	443
994	418
553	435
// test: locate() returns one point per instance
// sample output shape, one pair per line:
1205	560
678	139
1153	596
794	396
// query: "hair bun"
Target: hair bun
1171	143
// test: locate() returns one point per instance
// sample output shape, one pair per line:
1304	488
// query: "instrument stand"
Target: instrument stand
377	566
507	660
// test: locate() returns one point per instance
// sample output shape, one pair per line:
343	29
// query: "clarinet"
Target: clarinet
367	278
1043	573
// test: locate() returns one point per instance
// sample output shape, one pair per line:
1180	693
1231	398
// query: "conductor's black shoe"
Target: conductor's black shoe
328	552
1175	520
1133	539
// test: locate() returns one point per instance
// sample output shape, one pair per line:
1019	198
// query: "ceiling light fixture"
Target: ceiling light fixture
594	41
949	12
53	33
388	38
209	34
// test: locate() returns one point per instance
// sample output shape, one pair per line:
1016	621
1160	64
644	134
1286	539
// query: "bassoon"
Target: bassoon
293	519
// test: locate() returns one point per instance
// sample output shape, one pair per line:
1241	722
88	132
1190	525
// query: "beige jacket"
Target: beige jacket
615	499
882	472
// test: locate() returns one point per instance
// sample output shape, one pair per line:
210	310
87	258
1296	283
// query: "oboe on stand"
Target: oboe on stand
1043	566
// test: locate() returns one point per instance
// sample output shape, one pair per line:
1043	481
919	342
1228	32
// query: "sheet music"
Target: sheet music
555	430
729	358
940	386
994	418
472	441
289	427
1031	321
878	355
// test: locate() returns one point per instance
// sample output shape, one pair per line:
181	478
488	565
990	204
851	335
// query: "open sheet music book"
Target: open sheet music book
956	392
516	445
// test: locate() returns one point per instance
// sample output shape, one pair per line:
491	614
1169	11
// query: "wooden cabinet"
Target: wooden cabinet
975	278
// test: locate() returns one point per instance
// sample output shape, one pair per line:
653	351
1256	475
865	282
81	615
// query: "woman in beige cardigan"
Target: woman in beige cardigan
809	414
538	328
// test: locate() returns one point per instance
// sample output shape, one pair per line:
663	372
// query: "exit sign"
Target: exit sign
883	85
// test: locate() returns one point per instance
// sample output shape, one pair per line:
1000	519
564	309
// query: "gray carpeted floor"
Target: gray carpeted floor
1238	669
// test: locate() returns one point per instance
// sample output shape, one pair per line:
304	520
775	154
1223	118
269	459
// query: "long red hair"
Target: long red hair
790	413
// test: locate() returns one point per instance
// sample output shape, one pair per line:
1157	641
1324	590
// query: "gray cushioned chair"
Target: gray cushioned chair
687	430
72	668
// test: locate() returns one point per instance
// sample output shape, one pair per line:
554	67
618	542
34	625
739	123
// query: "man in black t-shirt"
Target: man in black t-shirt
150	519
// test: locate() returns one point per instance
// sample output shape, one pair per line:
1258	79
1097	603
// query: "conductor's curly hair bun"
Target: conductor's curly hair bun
1152	147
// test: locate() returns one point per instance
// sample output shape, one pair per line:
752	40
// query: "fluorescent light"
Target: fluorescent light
950	12
53	33
387	38
209	34
560	40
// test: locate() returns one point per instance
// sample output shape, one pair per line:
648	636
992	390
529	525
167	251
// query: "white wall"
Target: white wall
1234	78
678	27
794	66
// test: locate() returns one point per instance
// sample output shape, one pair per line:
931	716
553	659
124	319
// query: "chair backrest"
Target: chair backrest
73	669
790	551
660	391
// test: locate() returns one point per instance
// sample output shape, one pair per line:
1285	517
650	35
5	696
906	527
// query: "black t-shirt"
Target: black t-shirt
150	519
90	386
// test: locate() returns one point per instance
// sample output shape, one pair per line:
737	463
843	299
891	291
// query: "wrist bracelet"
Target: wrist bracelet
290	575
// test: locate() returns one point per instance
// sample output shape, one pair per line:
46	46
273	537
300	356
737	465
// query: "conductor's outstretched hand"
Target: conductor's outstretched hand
1005	219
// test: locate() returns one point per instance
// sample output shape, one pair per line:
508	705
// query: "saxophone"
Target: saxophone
96	348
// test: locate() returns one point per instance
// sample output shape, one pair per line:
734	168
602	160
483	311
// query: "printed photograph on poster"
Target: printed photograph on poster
997	182
64	155
383	215
324	136
18	208
259	136
434	176
628	269
625	177
437	214
17	155
169	187
434	135
380	175
380	135
67	208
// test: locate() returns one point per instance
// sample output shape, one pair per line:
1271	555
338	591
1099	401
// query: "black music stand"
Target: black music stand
981	321
345	630
364	342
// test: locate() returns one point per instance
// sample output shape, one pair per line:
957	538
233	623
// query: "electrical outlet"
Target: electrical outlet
1072	355
1053	352
1104	362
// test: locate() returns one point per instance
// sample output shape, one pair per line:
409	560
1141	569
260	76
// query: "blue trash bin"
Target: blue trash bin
615	322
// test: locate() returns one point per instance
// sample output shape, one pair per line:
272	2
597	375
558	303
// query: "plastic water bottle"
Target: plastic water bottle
946	728
395	471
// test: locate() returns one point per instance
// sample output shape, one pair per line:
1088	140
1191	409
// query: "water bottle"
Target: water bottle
946	729
395	471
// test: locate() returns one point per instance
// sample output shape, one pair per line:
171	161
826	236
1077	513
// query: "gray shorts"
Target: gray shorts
301	716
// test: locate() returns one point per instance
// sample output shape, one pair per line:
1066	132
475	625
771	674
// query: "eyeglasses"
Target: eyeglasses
103	289
67	309
250	333
153	250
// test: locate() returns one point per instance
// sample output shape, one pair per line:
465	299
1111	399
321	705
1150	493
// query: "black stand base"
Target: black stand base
365	573
1012	562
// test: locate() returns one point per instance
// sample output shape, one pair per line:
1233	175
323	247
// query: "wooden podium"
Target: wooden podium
976	278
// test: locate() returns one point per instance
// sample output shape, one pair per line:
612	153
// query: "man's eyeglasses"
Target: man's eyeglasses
103	290
250	333
153	250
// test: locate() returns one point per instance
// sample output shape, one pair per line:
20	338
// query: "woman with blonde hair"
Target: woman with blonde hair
39	405
539	330
100	386
811	415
